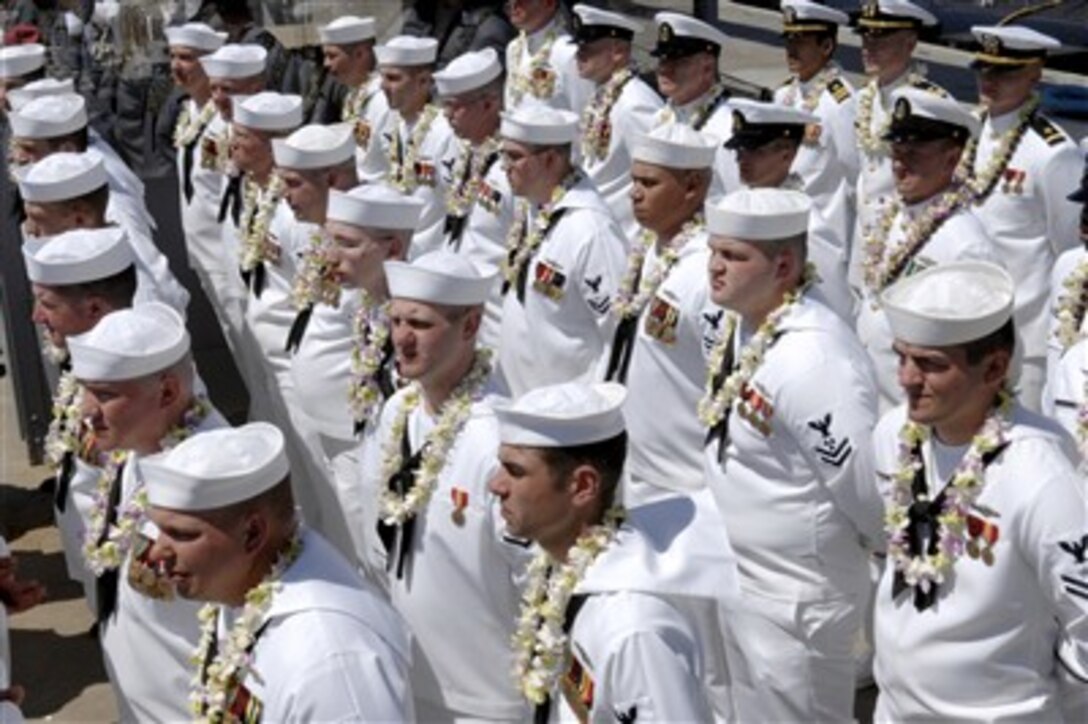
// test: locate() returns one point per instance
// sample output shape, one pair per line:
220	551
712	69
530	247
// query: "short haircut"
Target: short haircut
97	200
78	139
607	457
798	243
1001	339
117	290
279	500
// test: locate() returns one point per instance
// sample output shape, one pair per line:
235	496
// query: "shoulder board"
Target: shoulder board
1052	135
929	86
838	90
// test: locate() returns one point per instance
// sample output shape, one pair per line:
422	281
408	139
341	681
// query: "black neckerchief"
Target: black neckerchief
523	270
231	203
456	225
542	711
399	483
106	584
623	342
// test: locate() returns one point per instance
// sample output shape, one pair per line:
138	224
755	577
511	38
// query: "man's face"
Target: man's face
937	381
524	165
223	88
120	412
659	196
424	338
26	151
1002	90
596	59
202	555
534	502
306	192
923	168
529	15
358	255
682	80
349	64
741	274
886	55
251	150
766	166
406	88
186	70
469	114
806	53
61	315
51	218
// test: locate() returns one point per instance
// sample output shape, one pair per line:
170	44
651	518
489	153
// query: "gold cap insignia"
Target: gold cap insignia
870	9
738	122
790	15
991	44
902	109
665	33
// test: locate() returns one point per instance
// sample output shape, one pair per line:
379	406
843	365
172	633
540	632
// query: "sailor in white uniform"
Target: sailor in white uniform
790	406
889	32
66	191
19	65
76	278
688	52
1023	168
348	46
16	595
926	221
431	531
540	62
418	136
479	203
982	611
623	106
605	596
290	631
565	256
137	376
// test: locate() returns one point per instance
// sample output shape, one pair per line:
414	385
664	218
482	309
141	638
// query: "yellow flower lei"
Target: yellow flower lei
1072	303
519	250
66	424
627	302
811	98
464	192
873	143
189	127
259	207
538	79
403	171
983	182
314	282
597	117
371	323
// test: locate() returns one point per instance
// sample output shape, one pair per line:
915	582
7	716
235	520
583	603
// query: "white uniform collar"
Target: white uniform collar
900	80
536	39
691	106
1002	123
583	195
808	313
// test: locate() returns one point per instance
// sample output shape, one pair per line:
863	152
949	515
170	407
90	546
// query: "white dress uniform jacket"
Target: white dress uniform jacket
718	127
1066	264
795	489
550	49
73	522
1030	222
199	214
631	116
371	163
985	651
562	330
962	236
333	648
458	594
147	643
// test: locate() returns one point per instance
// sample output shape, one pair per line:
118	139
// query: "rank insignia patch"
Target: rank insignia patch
756	410
661	321
830	449
1076	548
549	281
426	173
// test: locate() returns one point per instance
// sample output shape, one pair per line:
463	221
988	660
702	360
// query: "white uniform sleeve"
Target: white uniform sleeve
1060	177
601	265
361	686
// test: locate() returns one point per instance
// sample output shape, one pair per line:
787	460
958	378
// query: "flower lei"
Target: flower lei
395	509
881	271
54	352
111	552
259	207
519	250
66	423
717	93
356	103
1072	304
967	483
403	171
628	303
371	323
538	79
596	118
463	194
712	407
811	98
870	142
982	183
214	683
315	282
542	650
190	127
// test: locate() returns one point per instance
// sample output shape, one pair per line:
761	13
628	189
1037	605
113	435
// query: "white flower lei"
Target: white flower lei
395	509
314	282
518	250
541	649
596	118
713	405
870	142
811	98
881	270
967	483
190	127
1072	303
111	552
357	101
982	183
259	208
628	303
66	423
464	191
54	352
402	171
538	78
213	685
371	323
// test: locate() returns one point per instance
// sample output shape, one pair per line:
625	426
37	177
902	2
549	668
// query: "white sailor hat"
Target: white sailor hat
198	36
468	72
19	97
804	16
130	343
216	468
62	176
674	145
407	50
375	206
882	16
539	126
563	415
590	23
315	146
759	214
49	117
439	277
756	123
679	36
20	60
235	61
268	111
949	304
347	29
79	256
1010	46
922	115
